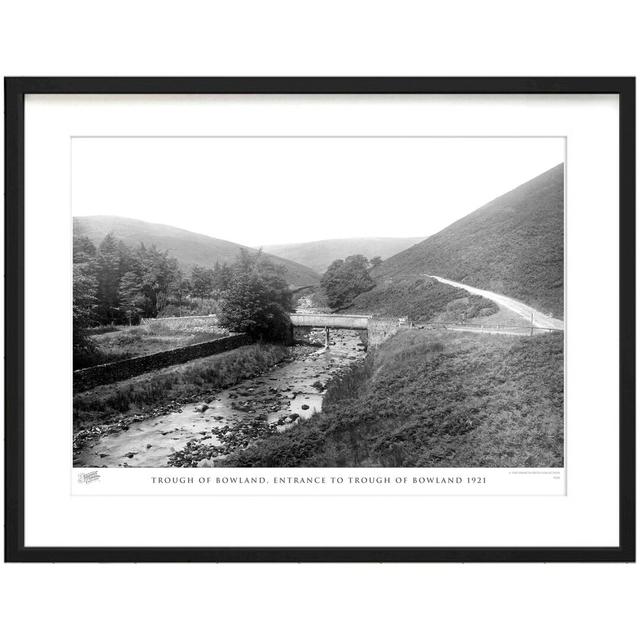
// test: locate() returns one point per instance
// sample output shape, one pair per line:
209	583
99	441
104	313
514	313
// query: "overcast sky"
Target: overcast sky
262	191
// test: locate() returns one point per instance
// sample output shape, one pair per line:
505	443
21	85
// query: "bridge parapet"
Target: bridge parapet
333	321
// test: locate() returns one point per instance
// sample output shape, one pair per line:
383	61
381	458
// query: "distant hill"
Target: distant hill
189	248
513	245
320	254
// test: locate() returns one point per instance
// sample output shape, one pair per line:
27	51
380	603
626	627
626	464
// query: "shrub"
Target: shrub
345	279
257	300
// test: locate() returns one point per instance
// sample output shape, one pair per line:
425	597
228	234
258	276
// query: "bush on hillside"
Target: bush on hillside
345	279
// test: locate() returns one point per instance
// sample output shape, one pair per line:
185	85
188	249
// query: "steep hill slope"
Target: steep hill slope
189	248
513	245
422	300
320	254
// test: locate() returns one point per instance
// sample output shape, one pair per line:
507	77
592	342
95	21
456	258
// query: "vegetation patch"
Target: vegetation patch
345	279
131	342
116	285
434	399
422	300
173	385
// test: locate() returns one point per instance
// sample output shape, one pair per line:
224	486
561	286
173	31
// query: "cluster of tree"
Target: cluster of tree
115	284
209	283
346	279
257	299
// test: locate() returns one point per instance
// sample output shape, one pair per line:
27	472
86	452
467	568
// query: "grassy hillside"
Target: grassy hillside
430	399
421	300
189	248
320	254
513	245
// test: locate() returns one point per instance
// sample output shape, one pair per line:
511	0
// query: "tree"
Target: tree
202	282
221	277
257	300
132	298
83	249
159	275
85	288
180	288
108	278
376	262
346	279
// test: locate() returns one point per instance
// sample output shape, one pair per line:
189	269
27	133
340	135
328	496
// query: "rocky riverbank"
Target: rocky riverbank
214	424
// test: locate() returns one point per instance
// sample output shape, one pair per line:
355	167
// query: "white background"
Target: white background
364	38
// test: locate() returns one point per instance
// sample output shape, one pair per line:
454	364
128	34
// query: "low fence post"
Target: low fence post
531	323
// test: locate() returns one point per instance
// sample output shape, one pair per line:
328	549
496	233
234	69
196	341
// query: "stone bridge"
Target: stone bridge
330	321
377	330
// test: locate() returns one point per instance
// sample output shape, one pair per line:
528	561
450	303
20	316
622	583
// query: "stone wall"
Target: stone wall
84	379
382	329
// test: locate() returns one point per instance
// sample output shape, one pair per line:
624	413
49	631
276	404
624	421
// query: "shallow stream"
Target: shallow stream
281	397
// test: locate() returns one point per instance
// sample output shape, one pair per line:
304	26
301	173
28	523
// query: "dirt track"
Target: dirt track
540	320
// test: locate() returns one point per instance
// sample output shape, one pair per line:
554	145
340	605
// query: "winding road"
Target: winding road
540	320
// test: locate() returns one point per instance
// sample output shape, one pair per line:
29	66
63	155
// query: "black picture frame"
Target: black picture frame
15	91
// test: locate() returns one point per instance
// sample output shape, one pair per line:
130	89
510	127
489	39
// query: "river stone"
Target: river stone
201	408
305	407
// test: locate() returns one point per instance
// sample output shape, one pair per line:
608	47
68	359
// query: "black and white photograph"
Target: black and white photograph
360	310
320	320
318	301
